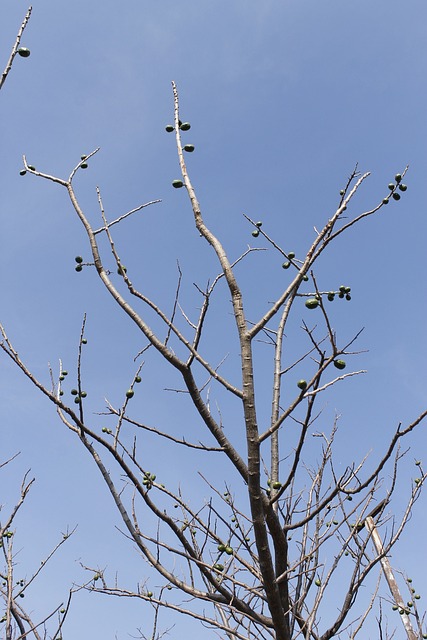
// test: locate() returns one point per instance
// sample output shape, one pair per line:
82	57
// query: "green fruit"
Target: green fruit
84	165
150	594
74	392
31	167
22	172
317	582
259	224
340	364
402	187
219	567
417	596
77	400
255	233
343	288
312	303
169	128
342	192
418	463
177	184
228	550
341	294
78	259
221	547
130	393
291	255
398	177
396	196
391	186
84	341
277	485
83	157
386	200
189	148
138	379
395	607
331	296
302	384
185	126
79	267
286	265
305	278
121	269
347	289
83	394
61	393
347	296
65	373
24	52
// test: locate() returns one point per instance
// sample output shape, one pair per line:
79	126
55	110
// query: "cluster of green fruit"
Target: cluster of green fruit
149	478
393	186
276	485
24	171
130	392
189	148
78	395
79	260
225	548
343	292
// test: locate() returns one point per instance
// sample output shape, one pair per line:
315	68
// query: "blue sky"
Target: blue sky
284	98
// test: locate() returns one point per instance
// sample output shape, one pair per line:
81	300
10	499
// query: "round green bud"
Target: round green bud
342	192
403	187
331	296
185	126
84	165
169	128
78	259
258	224
83	157
77	400
177	184
340	364
22	172
277	485
302	384
291	255
386	200
130	393
228	550
398	177
31	167
189	148
312	303
391	186
79	267
255	233
305	277
83	394
84	341
396	196
286	265
221	547
74	392
24	52
138	379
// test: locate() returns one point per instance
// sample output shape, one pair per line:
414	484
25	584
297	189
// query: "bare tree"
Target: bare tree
282	547
18	621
